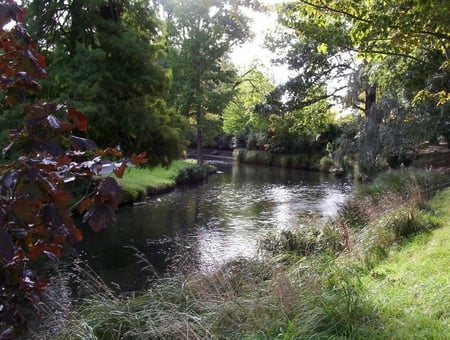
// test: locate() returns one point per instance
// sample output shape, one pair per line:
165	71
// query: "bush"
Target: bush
194	174
405	182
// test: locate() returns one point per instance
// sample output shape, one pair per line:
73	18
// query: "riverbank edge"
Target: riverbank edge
435	157
140	183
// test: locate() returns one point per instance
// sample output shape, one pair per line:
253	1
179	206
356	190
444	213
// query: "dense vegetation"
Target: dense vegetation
161	72
155	77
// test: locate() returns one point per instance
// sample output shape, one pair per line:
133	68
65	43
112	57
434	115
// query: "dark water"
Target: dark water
210	223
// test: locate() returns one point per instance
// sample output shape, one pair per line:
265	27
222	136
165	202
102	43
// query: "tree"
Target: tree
107	58
200	33
35	216
378	30
240	117
387	44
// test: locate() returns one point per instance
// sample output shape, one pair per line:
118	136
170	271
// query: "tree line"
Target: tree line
156	76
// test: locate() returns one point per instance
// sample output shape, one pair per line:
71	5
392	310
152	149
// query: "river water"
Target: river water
208	224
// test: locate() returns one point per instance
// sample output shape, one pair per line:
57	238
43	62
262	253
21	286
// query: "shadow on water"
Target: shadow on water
211	223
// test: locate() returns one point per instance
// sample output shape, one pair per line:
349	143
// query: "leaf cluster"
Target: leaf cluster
35	216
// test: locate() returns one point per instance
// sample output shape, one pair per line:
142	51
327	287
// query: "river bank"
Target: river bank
377	271
138	183
427	156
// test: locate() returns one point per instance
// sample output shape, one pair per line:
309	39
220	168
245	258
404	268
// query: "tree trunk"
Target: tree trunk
199	134
199	145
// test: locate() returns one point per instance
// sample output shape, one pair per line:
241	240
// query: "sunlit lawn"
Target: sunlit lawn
138	180
412	288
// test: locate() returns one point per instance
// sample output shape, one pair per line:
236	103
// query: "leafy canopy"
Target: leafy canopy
107	58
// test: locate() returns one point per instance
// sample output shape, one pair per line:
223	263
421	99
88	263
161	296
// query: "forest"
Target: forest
90	88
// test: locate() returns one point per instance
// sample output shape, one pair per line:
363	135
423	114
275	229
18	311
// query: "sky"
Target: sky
254	52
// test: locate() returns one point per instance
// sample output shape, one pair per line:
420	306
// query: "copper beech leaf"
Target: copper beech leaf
99	216
139	159
84	204
110	192
63	160
62	197
79	143
119	171
78	118
27	210
39	249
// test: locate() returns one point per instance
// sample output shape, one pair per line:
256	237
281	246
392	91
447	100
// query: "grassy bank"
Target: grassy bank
137	183
380	270
411	289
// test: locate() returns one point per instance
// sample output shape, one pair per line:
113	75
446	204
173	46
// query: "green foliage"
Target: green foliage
325	164
194	174
405	182
400	52
305	241
240	114
199	36
106	59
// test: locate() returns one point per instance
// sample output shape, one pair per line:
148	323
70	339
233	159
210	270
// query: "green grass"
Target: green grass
138	182
411	289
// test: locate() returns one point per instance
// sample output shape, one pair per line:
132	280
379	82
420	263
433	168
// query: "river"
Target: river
208	224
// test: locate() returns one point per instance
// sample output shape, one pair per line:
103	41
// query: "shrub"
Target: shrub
355	213
405	182
194	174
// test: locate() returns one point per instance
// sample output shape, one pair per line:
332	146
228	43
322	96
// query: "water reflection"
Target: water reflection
214	222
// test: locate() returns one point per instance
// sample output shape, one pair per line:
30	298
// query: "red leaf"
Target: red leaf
139	159
82	143
51	250
27	210
110	192
62	197
79	119
120	170
63	160
114	152
84	204
98	217
41	60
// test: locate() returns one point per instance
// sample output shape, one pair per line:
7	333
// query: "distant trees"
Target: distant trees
241	117
200	34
